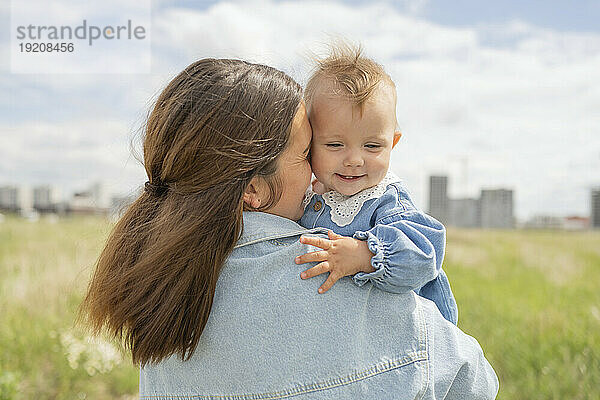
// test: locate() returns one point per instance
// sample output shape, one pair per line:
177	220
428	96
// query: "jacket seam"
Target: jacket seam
424	330
377	369
280	235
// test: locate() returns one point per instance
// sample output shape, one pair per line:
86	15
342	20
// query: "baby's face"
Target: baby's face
351	152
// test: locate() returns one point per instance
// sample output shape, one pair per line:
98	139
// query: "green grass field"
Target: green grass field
531	298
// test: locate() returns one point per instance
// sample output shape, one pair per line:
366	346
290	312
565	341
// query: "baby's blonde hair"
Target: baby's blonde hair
353	74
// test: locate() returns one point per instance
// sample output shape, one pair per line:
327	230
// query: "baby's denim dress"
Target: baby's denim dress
408	245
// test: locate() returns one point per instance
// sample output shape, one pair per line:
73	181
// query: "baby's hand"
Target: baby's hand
341	256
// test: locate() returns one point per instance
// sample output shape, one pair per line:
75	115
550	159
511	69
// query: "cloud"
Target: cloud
415	7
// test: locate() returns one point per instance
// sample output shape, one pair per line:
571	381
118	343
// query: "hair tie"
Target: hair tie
156	189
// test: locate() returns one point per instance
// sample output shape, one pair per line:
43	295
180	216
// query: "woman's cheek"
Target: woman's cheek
307	173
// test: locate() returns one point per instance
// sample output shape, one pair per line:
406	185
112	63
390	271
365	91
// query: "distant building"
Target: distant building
465	213
46	198
82	203
544	222
100	196
95	200
595	217
439	203
16	199
576	223
494	208
571	223
497	208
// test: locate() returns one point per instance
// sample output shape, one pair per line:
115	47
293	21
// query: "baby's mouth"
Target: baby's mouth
349	178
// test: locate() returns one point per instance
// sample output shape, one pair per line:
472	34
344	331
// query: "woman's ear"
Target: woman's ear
397	136
252	194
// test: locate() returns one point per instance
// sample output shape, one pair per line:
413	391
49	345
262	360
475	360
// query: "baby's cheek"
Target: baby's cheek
318	172
318	163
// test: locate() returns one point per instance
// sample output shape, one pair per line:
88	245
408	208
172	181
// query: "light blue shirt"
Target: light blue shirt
270	335
408	245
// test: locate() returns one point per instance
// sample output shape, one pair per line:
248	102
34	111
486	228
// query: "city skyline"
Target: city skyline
491	208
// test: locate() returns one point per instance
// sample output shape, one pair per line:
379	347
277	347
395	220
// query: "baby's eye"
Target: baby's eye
333	145
372	146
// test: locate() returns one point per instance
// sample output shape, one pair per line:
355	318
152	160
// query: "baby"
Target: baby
376	234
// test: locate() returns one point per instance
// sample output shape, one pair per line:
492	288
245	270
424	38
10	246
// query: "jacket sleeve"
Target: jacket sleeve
458	367
408	245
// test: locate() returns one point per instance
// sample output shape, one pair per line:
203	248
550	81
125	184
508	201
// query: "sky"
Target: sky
492	94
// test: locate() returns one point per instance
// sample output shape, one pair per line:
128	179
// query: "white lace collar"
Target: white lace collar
344	208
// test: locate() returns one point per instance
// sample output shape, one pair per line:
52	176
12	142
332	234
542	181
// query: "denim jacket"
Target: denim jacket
408	245
270	335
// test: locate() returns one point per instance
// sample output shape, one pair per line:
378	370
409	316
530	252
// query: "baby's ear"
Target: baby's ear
397	136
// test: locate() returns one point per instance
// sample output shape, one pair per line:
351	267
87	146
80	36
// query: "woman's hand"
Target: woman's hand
340	256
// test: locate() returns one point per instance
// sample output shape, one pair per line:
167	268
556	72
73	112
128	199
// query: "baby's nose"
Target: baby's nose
353	160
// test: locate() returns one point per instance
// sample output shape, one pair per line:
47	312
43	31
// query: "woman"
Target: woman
198	276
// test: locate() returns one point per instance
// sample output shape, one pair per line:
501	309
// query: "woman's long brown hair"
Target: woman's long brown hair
215	126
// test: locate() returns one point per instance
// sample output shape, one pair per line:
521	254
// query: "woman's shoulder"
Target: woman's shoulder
263	227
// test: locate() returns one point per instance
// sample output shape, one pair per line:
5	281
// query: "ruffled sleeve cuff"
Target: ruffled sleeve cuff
378	261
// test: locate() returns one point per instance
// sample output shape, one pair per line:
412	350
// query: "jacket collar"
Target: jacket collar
259	226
